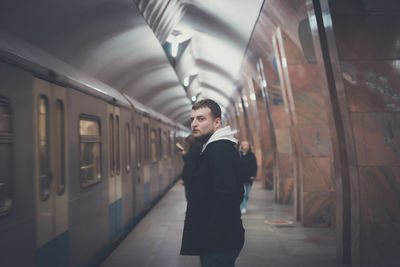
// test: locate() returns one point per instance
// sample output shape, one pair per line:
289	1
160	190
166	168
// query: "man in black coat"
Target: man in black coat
213	228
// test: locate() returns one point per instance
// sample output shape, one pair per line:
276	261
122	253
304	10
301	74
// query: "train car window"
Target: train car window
176	141
160	144
146	142
171	138
169	144
165	144
6	195
138	147
111	144
44	171
5	117
89	127
153	140
60	147
90	150
117	146
127	147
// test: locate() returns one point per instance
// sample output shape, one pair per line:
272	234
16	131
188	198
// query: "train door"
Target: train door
51	174
115	180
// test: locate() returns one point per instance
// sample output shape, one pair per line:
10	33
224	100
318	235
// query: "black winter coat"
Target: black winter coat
213	220
189	160
249	167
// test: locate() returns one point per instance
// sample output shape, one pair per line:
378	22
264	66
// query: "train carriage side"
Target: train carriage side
49	134
153	155
80	164
96	164
17	208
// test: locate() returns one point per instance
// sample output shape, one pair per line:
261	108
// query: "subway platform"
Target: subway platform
272	238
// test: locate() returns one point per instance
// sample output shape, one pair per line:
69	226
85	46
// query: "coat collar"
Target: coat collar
221	134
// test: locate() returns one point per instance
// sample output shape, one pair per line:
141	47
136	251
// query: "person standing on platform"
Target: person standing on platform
213	228
190	154
249	171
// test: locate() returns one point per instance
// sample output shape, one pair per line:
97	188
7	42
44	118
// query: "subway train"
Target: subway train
80	163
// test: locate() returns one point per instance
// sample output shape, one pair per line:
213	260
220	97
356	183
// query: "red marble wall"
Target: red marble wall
267	137
310	131
284	170
363	47
296	119
256	128
335	125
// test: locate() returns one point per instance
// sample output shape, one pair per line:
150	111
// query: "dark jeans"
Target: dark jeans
247	189
219	259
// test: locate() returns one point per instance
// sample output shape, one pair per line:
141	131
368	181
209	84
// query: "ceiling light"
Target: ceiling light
264	83
174	49
186	81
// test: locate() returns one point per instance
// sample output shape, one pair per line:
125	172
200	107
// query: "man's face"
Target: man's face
204	124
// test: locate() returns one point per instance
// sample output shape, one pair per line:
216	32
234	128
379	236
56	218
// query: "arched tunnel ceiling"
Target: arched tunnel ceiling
219	32
111	41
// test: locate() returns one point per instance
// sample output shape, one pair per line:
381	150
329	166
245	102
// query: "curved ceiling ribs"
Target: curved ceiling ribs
219	32
120	42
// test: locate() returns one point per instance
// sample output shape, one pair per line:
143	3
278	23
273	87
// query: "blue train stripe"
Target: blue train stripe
160	181
54	252
119	215
146	195
115	210
112	221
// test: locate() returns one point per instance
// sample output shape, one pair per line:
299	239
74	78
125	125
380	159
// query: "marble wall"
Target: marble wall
315	187
253	124
299	158
329	127
362	42
284	157
268	142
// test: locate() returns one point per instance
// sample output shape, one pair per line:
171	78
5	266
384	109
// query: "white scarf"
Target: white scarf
221	134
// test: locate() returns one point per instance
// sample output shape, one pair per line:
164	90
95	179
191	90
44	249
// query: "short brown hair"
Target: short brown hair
211	104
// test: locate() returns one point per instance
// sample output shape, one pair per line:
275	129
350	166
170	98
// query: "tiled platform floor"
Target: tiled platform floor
155	242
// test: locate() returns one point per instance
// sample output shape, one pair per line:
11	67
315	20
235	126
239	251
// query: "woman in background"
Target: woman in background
249	171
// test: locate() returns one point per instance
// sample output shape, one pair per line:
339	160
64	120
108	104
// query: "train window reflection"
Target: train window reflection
153	140
128	147
60	148
146	142
88	127
138	147
165	144
5	117
169	143
175	141
90	155
44	171
111	144
6	197
160	144
117	151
